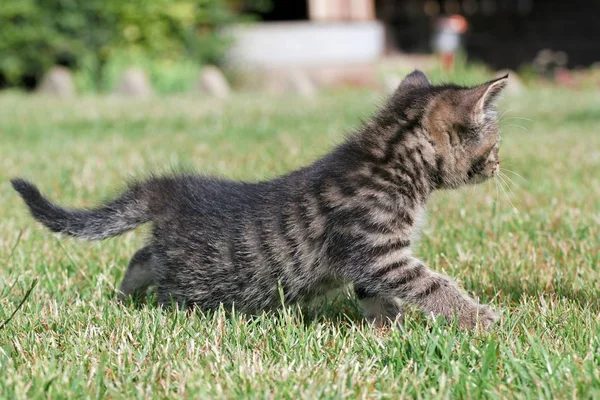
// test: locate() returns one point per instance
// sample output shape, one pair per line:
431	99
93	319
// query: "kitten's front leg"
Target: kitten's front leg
411	281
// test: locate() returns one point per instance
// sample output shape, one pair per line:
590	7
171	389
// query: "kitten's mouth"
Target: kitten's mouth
482	170
482	175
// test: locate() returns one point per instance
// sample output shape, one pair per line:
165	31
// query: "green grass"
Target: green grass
533	254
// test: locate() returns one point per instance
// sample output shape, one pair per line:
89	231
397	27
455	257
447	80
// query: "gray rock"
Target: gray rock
57	82
134	83
300	83
213	82
294	81
274	82
341	76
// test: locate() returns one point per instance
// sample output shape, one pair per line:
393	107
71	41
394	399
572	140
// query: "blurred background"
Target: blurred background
140	47
93	92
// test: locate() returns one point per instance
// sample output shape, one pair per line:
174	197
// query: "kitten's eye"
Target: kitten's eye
466	132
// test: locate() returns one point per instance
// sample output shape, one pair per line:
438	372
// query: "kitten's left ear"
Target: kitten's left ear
487	94
414	80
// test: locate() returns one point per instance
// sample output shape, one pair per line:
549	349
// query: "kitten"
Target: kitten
349	217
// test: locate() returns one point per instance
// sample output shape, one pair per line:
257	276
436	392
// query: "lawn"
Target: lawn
527	243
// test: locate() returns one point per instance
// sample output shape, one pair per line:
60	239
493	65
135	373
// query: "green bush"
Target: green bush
87	34
166	75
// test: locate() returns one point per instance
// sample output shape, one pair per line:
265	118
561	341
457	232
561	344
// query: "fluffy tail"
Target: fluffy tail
110	219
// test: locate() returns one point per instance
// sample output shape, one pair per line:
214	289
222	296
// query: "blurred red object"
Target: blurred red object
458	23
565	78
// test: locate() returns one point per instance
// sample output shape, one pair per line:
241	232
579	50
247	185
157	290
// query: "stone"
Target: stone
288	81
358	76
213	82
134	83
57	82
299	82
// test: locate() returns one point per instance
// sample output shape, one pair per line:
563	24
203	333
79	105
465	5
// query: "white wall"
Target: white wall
307	43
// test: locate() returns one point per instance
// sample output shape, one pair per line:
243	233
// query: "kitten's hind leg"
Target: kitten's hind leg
139	275
378	310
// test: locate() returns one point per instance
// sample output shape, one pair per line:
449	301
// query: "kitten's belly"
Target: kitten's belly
202	278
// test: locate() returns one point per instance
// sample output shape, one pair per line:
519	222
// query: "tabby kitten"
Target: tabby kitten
349	217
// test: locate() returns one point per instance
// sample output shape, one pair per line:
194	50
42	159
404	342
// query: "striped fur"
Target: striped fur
350	217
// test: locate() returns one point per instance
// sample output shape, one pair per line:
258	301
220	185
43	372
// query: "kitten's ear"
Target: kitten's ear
414	80
484	97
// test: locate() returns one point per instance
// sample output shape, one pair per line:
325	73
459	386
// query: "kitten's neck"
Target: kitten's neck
400	154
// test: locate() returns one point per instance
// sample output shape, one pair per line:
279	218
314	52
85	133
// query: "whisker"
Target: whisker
511	191
509	179
505	195
496	204
518	126
515	209
497	192
502	186
487	183
514	173
505	112
526	119
509	182
520	186
508	188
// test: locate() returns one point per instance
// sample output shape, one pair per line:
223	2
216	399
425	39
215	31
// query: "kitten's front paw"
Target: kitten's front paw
480	315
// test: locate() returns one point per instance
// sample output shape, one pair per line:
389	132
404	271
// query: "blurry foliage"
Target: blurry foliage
166	75
465	72
87	34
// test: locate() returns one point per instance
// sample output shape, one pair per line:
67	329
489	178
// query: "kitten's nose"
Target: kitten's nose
496	169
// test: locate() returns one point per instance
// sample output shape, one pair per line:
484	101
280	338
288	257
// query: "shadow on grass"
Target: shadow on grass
342	309
337	309
514	290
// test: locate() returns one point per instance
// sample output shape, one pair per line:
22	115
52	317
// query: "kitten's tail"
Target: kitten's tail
111	219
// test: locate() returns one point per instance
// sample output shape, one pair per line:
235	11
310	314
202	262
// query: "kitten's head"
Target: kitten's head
462	125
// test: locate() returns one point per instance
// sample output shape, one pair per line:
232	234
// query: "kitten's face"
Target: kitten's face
462	125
